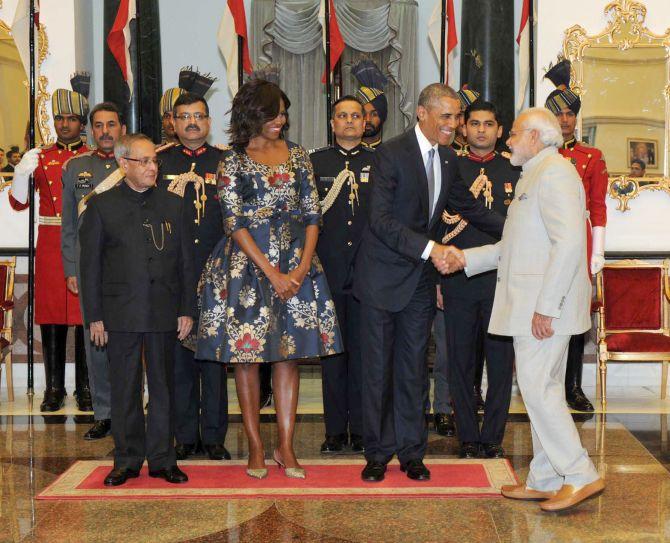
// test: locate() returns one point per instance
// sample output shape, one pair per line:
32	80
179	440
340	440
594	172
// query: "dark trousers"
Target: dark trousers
201	399
132	443
464	321
341	374
393	351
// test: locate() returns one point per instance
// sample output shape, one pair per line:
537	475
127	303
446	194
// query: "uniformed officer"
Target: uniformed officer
342	174
56	307
84	176
590	164
371	95
468	301
138	290
189	170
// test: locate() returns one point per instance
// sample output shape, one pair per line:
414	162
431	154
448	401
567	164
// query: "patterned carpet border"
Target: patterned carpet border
326	479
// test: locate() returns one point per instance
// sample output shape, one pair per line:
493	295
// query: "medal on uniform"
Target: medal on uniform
509	189
365	174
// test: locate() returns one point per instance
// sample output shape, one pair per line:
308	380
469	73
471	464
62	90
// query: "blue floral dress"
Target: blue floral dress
242	320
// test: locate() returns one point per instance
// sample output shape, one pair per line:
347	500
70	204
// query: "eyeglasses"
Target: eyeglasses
195	116
144	162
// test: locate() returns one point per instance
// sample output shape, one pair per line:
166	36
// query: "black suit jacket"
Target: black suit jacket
389	264
137	265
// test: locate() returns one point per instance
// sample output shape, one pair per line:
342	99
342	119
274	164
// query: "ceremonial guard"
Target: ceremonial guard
468	301
84	176
591	167
167	104
342	173
371	95
188	169
56	307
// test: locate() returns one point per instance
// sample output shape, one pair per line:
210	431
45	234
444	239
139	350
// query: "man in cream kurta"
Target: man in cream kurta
542	297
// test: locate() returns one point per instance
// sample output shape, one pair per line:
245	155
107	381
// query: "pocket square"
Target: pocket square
522	196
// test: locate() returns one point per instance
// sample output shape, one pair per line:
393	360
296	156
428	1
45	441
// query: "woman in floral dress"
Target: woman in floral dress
263	292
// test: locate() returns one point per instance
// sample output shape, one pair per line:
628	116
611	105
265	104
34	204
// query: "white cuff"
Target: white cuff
426	252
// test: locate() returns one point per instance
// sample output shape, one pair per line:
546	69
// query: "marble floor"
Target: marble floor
629	445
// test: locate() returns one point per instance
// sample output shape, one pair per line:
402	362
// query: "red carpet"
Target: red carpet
333	478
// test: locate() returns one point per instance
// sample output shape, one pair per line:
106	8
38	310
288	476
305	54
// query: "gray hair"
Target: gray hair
546	124
124	145
433	92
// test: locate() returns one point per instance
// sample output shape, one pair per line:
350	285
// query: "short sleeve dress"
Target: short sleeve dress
242	320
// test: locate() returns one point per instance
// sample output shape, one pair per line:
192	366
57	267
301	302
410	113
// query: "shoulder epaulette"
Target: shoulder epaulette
368	149
80	155
165	146
319	149
222	147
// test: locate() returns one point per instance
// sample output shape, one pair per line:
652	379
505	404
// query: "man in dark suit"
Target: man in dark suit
138	290
415	176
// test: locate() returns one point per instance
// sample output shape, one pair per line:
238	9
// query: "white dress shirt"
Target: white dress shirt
425	147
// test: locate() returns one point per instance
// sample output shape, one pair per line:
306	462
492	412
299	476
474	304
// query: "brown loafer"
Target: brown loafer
520	492
569	496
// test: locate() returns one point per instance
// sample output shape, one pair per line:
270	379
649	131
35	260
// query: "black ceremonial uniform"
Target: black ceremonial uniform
137	278
467	310
201	396
344	218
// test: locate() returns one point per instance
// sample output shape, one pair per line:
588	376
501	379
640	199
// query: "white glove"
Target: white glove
598	249
22	172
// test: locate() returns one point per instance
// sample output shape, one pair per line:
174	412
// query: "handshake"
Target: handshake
447	258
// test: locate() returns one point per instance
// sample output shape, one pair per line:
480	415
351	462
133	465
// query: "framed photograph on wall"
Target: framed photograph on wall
643	149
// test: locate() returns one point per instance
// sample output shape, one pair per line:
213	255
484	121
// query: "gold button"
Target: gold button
51	182
59	152
108	166
584	166
590	155
349	223
197	241
57	214
54	198
349	243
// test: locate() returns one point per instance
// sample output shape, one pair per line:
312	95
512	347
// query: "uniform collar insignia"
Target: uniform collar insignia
70	146
486	158
196	152
348	152
102	154
570	143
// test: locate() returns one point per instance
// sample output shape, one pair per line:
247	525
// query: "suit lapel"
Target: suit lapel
415	158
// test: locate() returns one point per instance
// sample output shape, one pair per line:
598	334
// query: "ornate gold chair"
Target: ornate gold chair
7	269
632	299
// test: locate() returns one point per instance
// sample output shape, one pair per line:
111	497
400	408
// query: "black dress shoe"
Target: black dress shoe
357	446
217	452
84	400
444	424
578	401
416	470
118	476
172	475
184	450
373	471
493	450
334	444
469	450
100	429
53	400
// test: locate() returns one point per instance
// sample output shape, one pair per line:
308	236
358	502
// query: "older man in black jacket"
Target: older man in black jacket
139	294
414	176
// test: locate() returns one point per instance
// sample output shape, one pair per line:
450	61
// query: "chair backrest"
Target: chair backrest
7	268
633	296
